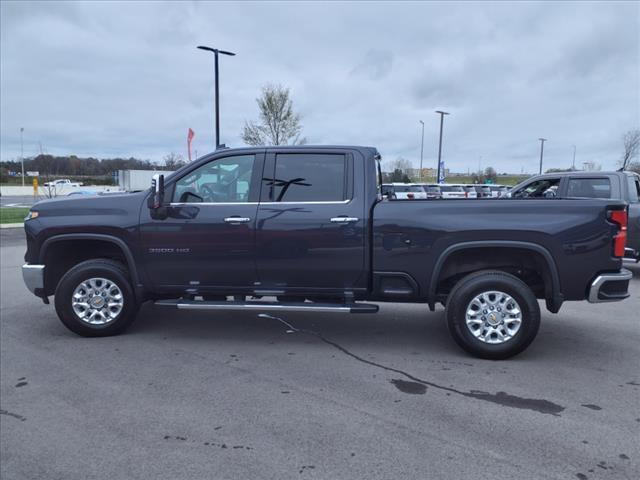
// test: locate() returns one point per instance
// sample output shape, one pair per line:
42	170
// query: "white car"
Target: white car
62	183
405	191
471	191
452	191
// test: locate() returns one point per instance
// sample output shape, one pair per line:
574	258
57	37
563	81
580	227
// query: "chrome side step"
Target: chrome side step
182	304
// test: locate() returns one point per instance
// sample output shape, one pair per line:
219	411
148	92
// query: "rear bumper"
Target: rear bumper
33	276
610	287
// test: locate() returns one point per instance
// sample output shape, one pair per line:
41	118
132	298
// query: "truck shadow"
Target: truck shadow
397	329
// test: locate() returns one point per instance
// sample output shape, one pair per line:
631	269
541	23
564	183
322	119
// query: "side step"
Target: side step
270	306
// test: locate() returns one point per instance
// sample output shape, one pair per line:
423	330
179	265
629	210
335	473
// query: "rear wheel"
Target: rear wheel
95	299
492	314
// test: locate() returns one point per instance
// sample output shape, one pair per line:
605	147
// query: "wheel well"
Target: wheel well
63	255
528	265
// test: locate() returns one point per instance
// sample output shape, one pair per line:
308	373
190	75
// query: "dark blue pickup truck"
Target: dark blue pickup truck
307	228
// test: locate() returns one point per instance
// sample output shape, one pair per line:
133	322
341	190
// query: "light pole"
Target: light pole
442	114
421	149
217	94
542	140
22	154
573	164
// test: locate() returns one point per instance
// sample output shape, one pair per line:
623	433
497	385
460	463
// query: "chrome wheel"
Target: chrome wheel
493	317
97	301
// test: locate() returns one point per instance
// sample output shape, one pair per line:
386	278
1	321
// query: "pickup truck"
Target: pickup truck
620	185
62	183
308	229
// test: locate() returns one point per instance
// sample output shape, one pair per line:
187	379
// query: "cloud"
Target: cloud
111	78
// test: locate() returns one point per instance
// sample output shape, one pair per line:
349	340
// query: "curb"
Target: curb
11	225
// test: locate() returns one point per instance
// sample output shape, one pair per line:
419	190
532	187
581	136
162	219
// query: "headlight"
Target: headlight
31	215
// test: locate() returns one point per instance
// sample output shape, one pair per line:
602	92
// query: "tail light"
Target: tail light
409	195
619	217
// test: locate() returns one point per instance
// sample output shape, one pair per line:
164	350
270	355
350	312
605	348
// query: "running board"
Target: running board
270	306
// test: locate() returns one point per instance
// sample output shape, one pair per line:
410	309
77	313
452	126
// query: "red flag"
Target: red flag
190	136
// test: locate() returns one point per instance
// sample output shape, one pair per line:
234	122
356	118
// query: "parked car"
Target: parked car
498	191
62	182
623	186
482	191
313	233
452	191
405	191
470	190
432	190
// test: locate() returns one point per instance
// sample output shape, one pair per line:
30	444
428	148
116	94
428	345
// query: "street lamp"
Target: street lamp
22	153
442	114
573	164
542	140
421	149
217	95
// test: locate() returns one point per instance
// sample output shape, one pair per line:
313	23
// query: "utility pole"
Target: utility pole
442	114
542	140
215	52
22	154
573	164
421	149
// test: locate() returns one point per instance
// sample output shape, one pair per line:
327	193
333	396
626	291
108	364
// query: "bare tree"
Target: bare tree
278	124
631	141
173	161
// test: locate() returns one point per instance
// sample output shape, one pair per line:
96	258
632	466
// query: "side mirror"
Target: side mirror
157	187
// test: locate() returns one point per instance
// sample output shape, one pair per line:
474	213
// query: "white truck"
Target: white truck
62	183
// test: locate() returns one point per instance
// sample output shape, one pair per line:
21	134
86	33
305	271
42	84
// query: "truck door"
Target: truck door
310	232
207	237
633	236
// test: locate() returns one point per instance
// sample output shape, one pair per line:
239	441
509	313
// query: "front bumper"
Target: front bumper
33	276
610	287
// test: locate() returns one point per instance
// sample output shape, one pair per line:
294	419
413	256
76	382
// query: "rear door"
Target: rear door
310	229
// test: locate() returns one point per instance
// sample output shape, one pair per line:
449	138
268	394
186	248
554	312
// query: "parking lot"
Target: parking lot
234	396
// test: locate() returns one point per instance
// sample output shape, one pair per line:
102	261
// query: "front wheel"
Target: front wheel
95	299
492	314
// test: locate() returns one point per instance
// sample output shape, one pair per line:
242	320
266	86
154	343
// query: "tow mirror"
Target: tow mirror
157	188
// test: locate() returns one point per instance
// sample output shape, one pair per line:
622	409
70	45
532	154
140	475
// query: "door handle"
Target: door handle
344	219
233	220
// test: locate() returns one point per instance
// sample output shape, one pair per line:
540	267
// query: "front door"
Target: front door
207	237
310	233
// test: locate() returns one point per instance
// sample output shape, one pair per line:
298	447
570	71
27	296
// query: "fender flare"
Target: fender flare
553	303
131	264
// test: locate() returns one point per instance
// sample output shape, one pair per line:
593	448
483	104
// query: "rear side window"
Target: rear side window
451	188
589	188
634	188
309	178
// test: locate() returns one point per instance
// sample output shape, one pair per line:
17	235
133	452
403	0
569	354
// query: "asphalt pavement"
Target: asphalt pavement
386	396
18	201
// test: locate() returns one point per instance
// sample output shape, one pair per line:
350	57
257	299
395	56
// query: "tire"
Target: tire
116	311
494	335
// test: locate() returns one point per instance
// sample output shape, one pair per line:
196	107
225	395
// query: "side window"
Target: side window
634	188
224	180
309	178
547	188
589	188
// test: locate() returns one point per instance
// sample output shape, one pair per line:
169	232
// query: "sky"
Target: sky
108	79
